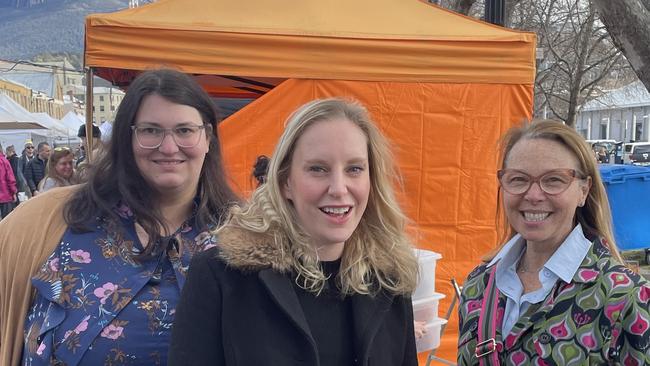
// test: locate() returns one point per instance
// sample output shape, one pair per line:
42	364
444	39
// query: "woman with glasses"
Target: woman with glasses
316	269
95	278
59	171
556	291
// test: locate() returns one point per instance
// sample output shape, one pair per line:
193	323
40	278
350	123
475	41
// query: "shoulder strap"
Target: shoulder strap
486	348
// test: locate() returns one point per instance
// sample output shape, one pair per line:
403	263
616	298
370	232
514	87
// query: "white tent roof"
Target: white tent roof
106	129
55	125
73	121
13	116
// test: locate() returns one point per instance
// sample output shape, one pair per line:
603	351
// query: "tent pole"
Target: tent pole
89	114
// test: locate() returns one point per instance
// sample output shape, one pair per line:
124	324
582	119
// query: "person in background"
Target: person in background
14	161
98	151
8	188
260	169
26	156
35	169
96	141
96	280
316	269
556	291
603	155
59	172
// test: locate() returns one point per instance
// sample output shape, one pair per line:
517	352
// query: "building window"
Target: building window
93	108
584	133
112	108
101	98
638	129
604	128
101	108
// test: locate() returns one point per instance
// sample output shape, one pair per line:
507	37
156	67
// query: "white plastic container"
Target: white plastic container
426	310
431	339
426	286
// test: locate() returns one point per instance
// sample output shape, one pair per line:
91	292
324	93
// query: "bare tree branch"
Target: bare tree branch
627	23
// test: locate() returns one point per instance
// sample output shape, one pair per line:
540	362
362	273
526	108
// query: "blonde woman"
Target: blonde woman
316	268
59	171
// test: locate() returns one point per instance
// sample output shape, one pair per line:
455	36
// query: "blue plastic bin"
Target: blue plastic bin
628	191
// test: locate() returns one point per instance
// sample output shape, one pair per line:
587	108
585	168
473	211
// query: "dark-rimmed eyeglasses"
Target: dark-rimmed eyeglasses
29	147
551	182
150	137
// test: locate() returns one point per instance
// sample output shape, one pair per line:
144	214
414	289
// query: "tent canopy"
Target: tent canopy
14	117
371	40
73	121
55	126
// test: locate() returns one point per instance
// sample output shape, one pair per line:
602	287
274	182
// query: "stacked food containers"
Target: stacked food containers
426	300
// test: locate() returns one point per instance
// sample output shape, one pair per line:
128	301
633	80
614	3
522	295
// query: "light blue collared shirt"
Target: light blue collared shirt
563	264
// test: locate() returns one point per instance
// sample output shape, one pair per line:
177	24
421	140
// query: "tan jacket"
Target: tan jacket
27	237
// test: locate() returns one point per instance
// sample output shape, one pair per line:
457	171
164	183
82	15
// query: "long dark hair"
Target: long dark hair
260	169
115	176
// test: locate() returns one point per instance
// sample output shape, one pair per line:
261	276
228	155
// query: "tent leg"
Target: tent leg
89	114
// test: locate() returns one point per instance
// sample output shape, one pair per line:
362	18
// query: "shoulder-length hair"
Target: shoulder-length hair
50	170
379	254
595	216
115	177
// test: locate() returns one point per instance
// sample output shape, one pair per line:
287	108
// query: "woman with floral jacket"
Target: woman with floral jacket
555	293
107	291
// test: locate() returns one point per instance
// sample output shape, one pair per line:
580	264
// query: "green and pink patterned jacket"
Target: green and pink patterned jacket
601	318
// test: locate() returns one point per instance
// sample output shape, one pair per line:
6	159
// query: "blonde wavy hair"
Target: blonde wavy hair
595	216
378	255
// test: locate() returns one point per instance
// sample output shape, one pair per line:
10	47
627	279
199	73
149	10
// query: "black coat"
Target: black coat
34	172
241	310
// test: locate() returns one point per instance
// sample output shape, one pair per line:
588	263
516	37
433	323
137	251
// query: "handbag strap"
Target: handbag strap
486	348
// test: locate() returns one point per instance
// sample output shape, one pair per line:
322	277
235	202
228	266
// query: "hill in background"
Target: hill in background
52	26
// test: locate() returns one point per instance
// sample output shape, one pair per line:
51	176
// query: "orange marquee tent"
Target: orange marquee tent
441	86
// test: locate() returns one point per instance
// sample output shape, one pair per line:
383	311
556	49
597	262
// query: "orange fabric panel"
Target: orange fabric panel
381	19
394	40
444	138
311	57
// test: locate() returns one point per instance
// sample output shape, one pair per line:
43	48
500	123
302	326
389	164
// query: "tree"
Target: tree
627	22
579	57
475	8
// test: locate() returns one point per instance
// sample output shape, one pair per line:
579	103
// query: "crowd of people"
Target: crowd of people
153	259
28	174
40	168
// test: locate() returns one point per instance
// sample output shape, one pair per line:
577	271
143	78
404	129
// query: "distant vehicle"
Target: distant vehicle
637	153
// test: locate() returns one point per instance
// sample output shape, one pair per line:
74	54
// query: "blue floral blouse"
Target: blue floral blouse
96	305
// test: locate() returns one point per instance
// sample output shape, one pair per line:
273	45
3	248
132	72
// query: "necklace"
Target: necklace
521	268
